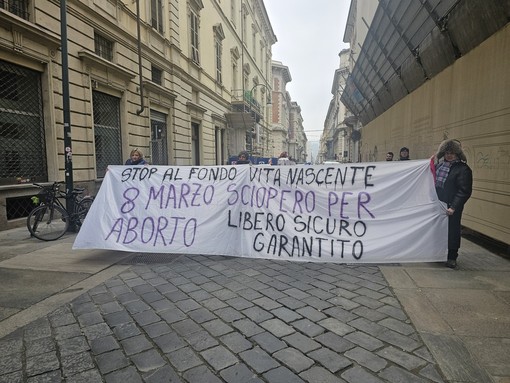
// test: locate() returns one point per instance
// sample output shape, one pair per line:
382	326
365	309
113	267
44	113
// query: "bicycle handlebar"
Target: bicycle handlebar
55	189
47	186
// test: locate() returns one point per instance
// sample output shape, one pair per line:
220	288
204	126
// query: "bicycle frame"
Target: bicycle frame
52	211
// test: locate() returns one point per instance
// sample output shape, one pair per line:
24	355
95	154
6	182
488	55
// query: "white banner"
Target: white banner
348	213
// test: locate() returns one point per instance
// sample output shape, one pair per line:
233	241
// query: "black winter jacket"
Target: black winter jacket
457	187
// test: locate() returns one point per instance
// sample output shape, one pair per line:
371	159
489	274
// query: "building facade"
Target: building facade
415	84
281	102
297	137
338	139
185	82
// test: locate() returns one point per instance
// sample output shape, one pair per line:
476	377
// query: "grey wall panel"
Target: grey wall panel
436	52
412	74
474	21
397	88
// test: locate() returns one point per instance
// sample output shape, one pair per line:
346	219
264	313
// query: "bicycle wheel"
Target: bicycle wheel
48	223
83	208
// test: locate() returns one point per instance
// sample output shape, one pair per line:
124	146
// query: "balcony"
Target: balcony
245	102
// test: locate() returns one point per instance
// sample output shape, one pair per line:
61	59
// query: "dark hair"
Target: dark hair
404	149
390	153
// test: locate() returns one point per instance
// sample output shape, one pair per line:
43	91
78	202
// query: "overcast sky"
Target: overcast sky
310	36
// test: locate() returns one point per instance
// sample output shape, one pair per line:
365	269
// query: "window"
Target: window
21	126
244	21
195	96
218	51
254	42
235	73
233	11
103	47
219	139
261	53
157	15
107	140
17	7
195	143
245	80
194	31
156	75
158	148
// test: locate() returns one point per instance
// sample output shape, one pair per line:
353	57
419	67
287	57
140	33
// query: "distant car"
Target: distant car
331	163
284	161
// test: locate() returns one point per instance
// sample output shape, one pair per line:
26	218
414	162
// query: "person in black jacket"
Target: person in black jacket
454	183
404	154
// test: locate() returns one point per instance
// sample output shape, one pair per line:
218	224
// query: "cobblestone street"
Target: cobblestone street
214	319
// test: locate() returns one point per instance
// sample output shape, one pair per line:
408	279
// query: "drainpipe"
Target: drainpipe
142	106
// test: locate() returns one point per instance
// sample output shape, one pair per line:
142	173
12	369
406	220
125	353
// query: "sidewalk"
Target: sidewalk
87	316
462	315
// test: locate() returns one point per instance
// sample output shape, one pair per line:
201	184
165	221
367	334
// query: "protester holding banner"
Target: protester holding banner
285	160
404	154
136	158
454	181
243	158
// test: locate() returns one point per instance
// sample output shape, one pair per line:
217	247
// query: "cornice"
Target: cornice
95	60
196	107
152	87
31	30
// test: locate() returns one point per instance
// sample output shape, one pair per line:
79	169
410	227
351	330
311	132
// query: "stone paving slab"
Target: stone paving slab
472	312
20	289
462	315
225	319
58	258
450	347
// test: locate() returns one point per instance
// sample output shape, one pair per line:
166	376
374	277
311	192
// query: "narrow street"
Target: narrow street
105	316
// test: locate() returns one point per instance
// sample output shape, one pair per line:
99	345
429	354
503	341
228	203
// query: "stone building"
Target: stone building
428	71
337	140
281	102
186	82
297	137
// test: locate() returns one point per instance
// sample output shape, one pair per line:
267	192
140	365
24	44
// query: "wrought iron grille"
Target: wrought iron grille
106	131
156	75
17	7
18	207
103	47
21	126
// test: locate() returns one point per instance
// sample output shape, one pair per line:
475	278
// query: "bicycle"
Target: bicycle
50	220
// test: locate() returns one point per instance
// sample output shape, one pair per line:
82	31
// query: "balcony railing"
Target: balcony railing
247	99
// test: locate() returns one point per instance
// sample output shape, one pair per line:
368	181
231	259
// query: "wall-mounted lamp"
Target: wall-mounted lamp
263	91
